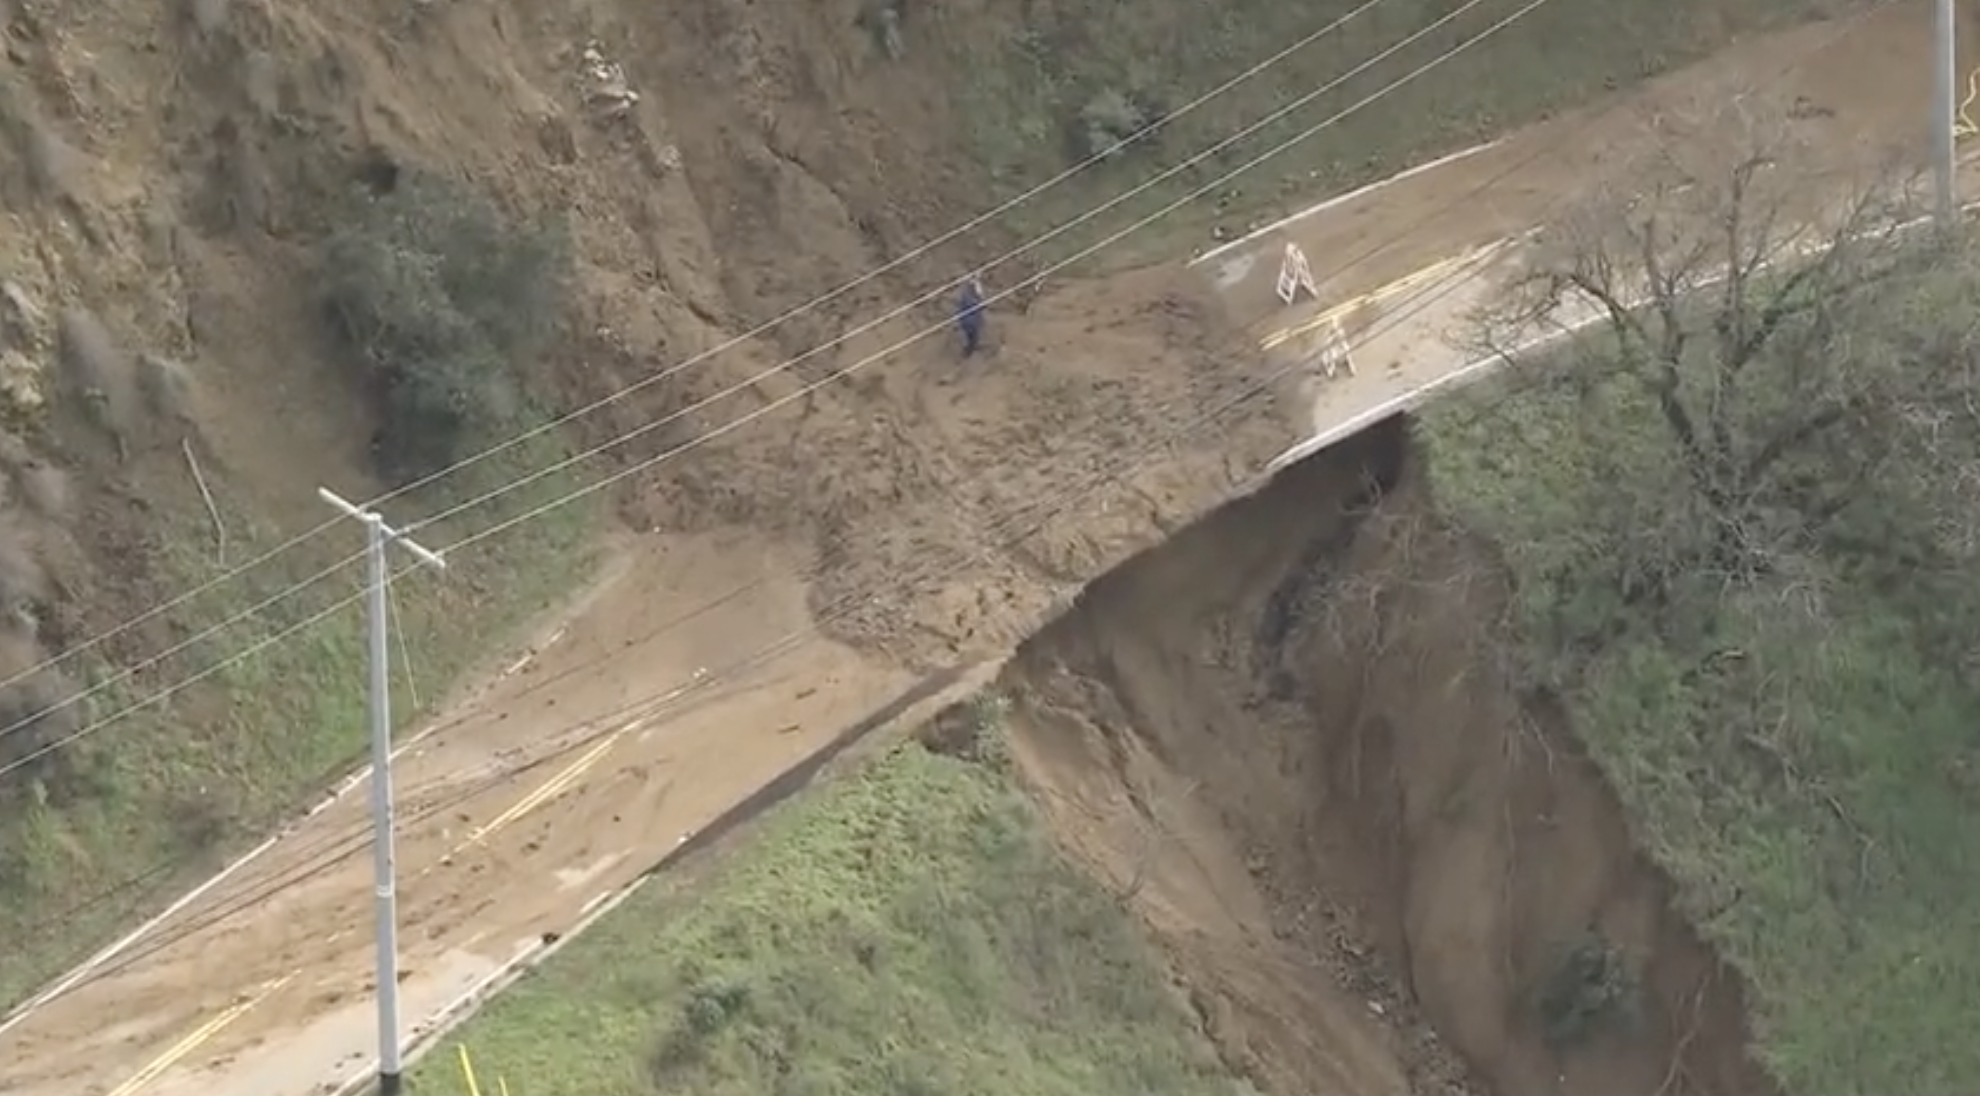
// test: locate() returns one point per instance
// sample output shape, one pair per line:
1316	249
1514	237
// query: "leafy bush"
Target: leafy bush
1109	121
441	301
1744	526
1590	986
909	929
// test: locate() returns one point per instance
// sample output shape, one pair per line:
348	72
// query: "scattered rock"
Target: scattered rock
659	162
23	579
557	140
13	451
606	89
21	387
23	341
161	234
261	80
23	325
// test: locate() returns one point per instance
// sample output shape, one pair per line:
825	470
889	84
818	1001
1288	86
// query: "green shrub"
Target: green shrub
439	301
1110	121
1590	986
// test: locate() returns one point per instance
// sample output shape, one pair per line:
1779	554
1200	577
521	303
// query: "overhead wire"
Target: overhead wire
917	252
30	756
591	729
114	681
1298	103
313	861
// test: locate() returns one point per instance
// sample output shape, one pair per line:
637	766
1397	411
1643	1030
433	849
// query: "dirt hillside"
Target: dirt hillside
173	390
1291	736
278	111
171	171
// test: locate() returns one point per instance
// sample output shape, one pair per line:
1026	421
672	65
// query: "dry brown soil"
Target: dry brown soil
1358	818
1292	736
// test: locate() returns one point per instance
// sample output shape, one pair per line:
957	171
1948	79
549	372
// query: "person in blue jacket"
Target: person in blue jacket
969	315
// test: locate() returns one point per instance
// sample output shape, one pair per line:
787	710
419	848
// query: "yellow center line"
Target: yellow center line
549	790
1435	271
204	1034
199	1037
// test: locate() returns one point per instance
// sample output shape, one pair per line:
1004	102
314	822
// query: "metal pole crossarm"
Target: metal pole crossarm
378	536
433	559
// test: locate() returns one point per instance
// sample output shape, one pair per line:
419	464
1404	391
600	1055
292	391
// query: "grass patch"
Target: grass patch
436	302
1029	95
159	798
909	929
1798	750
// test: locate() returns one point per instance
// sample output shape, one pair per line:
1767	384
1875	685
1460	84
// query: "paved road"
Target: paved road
554	789
1402	266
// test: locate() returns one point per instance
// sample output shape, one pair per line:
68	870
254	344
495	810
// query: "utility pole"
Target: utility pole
378	536
1944	111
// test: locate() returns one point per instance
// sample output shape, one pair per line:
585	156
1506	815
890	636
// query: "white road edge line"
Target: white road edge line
1409	400
1300	451
1355	424
426	1034
26	1009
21	1012
1343	199
437	1025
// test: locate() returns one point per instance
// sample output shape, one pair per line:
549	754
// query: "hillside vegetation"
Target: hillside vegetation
1075	79
130	767
910	929
215	204
1741	523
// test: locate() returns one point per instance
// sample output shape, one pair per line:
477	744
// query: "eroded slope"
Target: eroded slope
1293	734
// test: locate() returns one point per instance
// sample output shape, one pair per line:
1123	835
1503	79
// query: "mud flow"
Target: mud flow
1289	738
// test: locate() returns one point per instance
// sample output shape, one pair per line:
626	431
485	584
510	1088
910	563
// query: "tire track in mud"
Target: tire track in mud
777	791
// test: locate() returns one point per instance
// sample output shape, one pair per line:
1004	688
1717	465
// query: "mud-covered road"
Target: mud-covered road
568	777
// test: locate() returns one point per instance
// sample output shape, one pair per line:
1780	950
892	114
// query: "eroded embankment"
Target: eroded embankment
1294	736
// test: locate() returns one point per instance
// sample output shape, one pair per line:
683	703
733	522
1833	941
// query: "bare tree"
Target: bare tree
1792	332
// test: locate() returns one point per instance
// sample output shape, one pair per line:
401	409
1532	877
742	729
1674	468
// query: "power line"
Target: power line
596	725
1131	193
331	851
488	496
621	393
675	622
840	374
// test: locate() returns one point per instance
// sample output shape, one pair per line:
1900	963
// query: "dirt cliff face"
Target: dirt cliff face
173	167
180	158
176	395
717	165
1291	735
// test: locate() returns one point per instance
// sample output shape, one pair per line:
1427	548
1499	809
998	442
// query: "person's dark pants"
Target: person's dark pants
972	333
